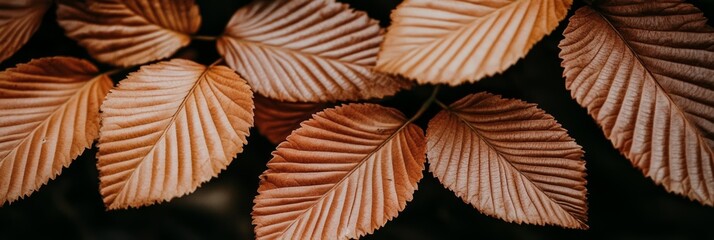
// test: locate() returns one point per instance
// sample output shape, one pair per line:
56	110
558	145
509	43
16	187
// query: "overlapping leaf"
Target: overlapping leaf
510	160
343	174
455	41
276	120
18	21
168	128
49	113
129	32
644	70
306	50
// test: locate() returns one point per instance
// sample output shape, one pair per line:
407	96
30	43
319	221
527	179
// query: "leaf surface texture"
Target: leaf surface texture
509	160
168	128
276	119
645	72
18	21
129	32
343	174
49	113
307	50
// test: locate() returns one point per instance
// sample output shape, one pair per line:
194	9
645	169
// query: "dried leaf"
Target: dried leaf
509	160
129	32
457	41
343	174
18	21
168	128
307	50
644	71
276	120
49	113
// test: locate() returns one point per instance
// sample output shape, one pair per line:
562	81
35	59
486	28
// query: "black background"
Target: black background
623	203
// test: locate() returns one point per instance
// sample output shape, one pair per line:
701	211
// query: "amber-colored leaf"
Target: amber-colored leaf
343	174
457	41
18	21
645	72
307	50
129	32
168	128
509	160
276	119
49	113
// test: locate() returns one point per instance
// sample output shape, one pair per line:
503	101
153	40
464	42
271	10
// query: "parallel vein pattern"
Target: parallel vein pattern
276	120
455	41
168	128
343	174
49	113
644	70
129	32
509	160
18	21
307	50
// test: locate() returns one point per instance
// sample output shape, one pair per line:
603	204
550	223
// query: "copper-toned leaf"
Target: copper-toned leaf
306	50
276	120
129	32
509	160
18	21
455	41
49	113
168	128
343	174
645	72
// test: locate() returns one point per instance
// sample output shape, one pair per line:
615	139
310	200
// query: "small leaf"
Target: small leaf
307	50
645	73
49	113
509	160
457	41
129	32
343	174
168	128
18	21
276	120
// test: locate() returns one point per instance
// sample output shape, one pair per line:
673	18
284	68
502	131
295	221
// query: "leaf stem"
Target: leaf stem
216	62
427	103
204	38
442	105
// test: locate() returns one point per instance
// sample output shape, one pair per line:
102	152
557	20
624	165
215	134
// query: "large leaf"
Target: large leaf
510	160
276	120
645	72
49	113
18	21
455	41
129	32
343	174
306	50
168	128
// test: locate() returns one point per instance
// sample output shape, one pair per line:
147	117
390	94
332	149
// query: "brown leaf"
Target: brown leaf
645	72
168	128
343	174
307	50
509	160
18	21
276	120
49	113
129	32
457	41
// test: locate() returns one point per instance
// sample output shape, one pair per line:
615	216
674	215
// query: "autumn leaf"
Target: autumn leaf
276	120
509	160
18	21
49	113
343	174
307	50
644	71
129	32
457	41
168	128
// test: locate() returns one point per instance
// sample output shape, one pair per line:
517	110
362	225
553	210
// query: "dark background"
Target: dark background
623	203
